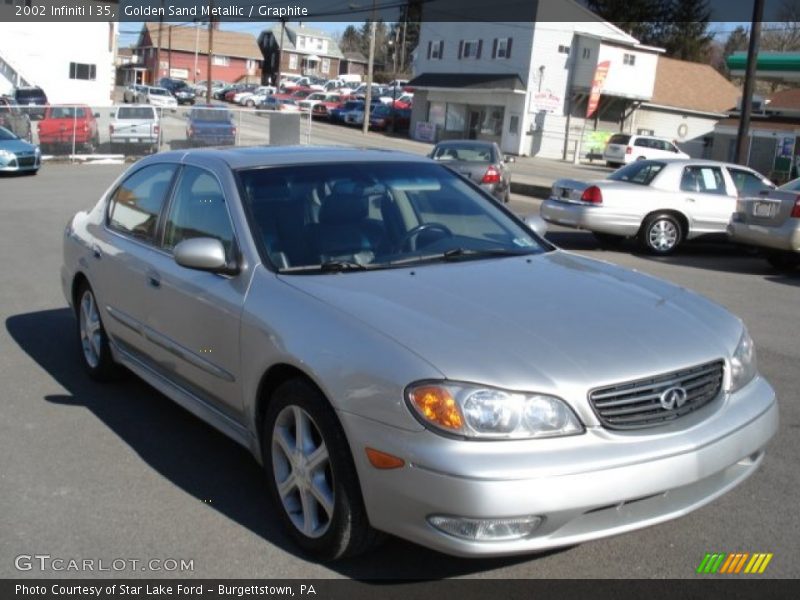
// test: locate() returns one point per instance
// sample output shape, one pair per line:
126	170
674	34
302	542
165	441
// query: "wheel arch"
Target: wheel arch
78	280
681	217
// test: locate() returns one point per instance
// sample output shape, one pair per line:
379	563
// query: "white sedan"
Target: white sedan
659	202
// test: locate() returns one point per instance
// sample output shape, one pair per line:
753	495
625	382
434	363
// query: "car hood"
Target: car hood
554	322
16	146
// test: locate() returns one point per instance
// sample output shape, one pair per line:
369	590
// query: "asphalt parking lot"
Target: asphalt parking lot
118	471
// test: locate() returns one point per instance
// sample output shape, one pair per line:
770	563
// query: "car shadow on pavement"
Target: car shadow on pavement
710	256
201	461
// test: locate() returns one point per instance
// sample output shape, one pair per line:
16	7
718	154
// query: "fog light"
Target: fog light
486	530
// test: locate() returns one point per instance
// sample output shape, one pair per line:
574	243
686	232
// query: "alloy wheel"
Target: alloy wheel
302	470
90	329
663	235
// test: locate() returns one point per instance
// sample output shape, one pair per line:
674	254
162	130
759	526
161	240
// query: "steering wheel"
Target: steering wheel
410	238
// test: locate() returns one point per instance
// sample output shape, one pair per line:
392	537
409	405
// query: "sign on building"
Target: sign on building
600	75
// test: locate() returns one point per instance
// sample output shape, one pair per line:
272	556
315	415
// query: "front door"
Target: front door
195	315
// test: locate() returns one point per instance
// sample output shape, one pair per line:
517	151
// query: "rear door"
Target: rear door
616	147
705	198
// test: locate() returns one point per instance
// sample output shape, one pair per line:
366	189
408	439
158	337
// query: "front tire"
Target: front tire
785	262
311	474
92	339
662	234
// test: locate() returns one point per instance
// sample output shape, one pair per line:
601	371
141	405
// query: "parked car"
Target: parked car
403	354
479	161
210	126
770	220
320	103
278	103
249	92
182	91
134	94
68	126
18	155
31	100
312	83
662	203
622	149
201	87
255	96
337	114
13	119
160	97
229	95
219	93
383	118
137	126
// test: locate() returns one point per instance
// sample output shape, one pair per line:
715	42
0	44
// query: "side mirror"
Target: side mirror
202	254
509	159
536	224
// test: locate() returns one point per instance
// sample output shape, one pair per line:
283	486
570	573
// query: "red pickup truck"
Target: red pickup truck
62	123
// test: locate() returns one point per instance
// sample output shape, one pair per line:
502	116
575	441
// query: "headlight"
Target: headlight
489	413
743	363
6	155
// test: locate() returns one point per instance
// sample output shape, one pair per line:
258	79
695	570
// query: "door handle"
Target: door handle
96	252
690	199
153	279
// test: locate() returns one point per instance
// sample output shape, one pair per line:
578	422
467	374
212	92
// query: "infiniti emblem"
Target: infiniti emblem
674	397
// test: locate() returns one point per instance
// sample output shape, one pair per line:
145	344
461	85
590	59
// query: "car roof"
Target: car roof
273	156
476	143
698	162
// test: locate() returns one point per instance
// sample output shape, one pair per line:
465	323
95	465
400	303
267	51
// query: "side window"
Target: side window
642	142
747	184
704	180
137	202
198	210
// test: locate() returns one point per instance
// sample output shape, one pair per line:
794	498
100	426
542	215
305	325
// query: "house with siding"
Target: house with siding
235	58
299	50
688	101
527	85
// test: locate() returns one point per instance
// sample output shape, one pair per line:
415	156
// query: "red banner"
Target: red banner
597	86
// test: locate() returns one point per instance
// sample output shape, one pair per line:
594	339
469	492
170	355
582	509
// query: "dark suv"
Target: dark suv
180	89
31	100
13	119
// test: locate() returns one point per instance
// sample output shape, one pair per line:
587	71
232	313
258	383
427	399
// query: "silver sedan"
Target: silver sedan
403	355
660	202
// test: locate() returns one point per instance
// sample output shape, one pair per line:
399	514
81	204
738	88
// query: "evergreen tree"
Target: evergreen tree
687	36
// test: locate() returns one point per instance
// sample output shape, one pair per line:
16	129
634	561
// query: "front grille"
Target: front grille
637	404
26	161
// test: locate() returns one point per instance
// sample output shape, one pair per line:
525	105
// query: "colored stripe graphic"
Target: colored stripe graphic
733	563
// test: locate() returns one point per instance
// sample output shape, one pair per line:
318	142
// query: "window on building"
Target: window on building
562	49
435	49
220	61
629	59
319	44
293	61
82	71
471	49
587	53
326	65
513	124
501	48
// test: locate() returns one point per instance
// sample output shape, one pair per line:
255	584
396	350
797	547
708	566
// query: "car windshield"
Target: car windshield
619	138
210	114
6	135
66	112
464	152
158	92
360	216
642	172
135	112
34	94
792	186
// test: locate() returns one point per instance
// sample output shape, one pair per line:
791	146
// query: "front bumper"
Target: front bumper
611	483
591	217
784	237
20	165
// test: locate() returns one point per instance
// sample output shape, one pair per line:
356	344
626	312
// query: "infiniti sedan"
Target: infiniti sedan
403	355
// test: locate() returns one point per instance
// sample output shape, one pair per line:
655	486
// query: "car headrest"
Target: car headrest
343	208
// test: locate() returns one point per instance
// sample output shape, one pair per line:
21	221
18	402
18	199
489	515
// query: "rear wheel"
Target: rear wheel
311	474
95	350
661	234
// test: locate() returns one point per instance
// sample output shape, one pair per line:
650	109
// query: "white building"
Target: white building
526	85
73	62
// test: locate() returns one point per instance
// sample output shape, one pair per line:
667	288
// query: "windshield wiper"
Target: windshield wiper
456	253
339	266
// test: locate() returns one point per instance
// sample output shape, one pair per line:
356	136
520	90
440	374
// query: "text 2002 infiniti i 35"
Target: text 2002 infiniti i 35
404	355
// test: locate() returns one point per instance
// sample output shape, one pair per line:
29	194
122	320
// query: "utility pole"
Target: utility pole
277	82
210	49
169	53
749	81
196	45
368	99
157	72
403	43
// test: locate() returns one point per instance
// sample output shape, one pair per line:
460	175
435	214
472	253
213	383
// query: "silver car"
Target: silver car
771	220
403	355
659	202
482	162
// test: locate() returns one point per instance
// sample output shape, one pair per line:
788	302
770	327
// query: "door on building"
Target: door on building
474	124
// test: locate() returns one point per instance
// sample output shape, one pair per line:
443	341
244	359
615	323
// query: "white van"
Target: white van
623	148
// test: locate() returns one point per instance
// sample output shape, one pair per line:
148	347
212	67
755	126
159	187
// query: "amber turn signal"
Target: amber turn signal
437	405
381	460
